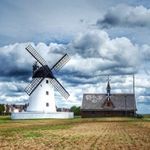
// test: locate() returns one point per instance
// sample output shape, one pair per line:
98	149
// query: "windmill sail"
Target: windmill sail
61	63
32	86
36	55
59	88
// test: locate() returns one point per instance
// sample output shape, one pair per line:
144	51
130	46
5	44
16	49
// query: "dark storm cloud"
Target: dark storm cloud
14	94
125	16
76	80
15	74
108	21
11	69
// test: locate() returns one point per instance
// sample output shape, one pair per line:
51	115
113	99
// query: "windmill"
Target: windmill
41	88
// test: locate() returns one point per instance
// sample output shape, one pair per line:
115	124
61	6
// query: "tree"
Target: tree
76	110
2	109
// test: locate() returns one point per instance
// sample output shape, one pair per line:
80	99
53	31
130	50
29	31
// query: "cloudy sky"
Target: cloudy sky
102	37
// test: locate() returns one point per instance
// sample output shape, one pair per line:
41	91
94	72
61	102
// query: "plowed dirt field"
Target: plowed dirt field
75	134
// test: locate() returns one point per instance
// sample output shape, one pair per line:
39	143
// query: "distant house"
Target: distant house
63	109
100	105
9	108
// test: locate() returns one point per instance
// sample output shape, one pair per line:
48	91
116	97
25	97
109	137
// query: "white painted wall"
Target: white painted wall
38	115
38	99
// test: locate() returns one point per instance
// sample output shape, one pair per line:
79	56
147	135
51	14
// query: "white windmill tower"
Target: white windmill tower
41	90
42	96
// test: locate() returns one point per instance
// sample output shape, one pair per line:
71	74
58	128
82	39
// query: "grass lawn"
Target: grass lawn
78	133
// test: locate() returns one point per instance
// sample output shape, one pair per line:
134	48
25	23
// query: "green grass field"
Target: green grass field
78	133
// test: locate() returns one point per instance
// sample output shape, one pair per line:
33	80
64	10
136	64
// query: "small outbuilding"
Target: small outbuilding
101	105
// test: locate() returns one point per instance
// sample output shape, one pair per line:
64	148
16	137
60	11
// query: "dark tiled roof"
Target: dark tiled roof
120	102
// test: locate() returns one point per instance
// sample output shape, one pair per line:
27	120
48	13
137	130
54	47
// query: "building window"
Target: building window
47	93
47	104
47	81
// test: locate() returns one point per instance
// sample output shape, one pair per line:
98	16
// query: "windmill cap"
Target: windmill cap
42	72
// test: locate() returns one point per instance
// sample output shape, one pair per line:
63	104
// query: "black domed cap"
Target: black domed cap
42	72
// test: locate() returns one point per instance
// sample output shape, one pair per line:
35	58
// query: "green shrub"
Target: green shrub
139	116
76	110
2	109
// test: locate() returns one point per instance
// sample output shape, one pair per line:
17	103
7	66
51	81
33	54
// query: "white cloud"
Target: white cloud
125	15
99	51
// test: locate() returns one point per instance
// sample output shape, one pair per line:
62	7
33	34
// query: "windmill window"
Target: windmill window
47	93
47	81
47	104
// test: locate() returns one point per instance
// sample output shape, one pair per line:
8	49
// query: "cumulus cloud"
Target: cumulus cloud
13	92
103	54
126	16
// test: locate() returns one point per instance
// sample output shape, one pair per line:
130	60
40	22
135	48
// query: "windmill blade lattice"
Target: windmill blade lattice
59	88
32	86
61	63
36	55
